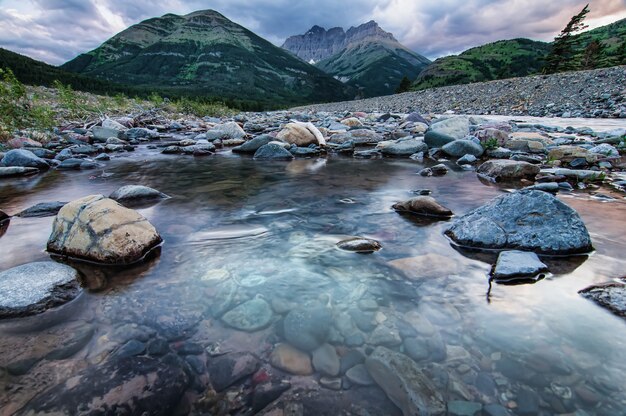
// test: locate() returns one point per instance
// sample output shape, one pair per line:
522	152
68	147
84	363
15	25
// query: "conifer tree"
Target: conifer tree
592	57
405	85
560	58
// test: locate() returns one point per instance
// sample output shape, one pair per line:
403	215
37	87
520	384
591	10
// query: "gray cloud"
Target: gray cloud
58	30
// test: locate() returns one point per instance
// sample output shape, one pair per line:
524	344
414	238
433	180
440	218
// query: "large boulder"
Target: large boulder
611	295
569	153
23	158
457	127
253	145
272	151
508	170
126	386
527	220
102	134
460	148
404	383
35	287
98	229
435	139
226	131
301	134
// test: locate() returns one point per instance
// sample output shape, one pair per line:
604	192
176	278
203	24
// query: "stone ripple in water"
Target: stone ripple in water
542	338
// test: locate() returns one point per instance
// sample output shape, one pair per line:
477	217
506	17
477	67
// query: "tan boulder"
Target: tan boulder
508	170
528	142
301	134
352	122
98	229
287	358
569	153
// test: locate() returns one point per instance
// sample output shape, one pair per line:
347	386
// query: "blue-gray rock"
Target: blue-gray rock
272	151
404	383
130	386
495	409
130	349
611	296
367	154
499	153
129	194
514	263
434	139
463	408
527	402
507	170
250	316
307	328
405	147
466	160
101	134
64	154
525	220
253	145
605	149
102	157
23	158
326	361
456	127
459	148
7	172
358	375
141	133
44	209
83	149
304	151
416	118
76	164
35	287
551	187
42	153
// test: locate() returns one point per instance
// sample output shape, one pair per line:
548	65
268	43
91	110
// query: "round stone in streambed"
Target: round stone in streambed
611	296
514	264
525	220
250	316
359	245
134	385
272	151
435	139
459	148
326	360
251	146
133	194
100	230
33	288
423	205
44	209
23	158
405	147
307	328
287	358
358	375
508	170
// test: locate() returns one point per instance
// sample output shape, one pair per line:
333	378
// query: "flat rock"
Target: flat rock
512	264
307	327
611	296
508	170
33	288
129	386
228	369
456	127
423	205
44	209
99	229
404	147
250	316
251	146
287	358
130	194
7	172
404	383
527	220
359	245
23	158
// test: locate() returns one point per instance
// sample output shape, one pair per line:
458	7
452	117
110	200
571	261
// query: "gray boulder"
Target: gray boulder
226	131
460	148
405	147
101	134
404	383
611	296
272	151
35	287
514	263
435	139
253	145
508	170
23	158
130	194
457	127
528	220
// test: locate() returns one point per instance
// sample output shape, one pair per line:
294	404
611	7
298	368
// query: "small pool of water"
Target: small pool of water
236	229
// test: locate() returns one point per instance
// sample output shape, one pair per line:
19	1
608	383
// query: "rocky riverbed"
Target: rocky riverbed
296	263
597	93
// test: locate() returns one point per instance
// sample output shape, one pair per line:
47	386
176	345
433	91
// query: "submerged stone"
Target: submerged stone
359	245
129	194
35	287
228	369
250	316
287	358
525	220
307	328
515	263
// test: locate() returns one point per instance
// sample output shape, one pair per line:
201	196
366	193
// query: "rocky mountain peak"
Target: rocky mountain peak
367	30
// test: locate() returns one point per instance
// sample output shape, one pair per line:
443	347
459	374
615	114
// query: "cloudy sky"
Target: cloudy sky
57	30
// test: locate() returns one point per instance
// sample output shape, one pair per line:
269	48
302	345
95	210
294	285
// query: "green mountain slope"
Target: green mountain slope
33	72
498	60
520	57
205	54
374	67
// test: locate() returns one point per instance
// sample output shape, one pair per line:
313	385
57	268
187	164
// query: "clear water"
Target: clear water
237	229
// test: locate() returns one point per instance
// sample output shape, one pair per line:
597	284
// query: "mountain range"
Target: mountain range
365	57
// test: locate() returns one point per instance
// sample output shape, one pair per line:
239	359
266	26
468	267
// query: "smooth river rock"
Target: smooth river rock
508	170
301	134
23	158
100	230
33	288
514	263
253	145
611	296
272	151
126	386
423	205
130	194
404	383
527	220
306	328
43	209
359	245
287	358
456	127
460	148
250	316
